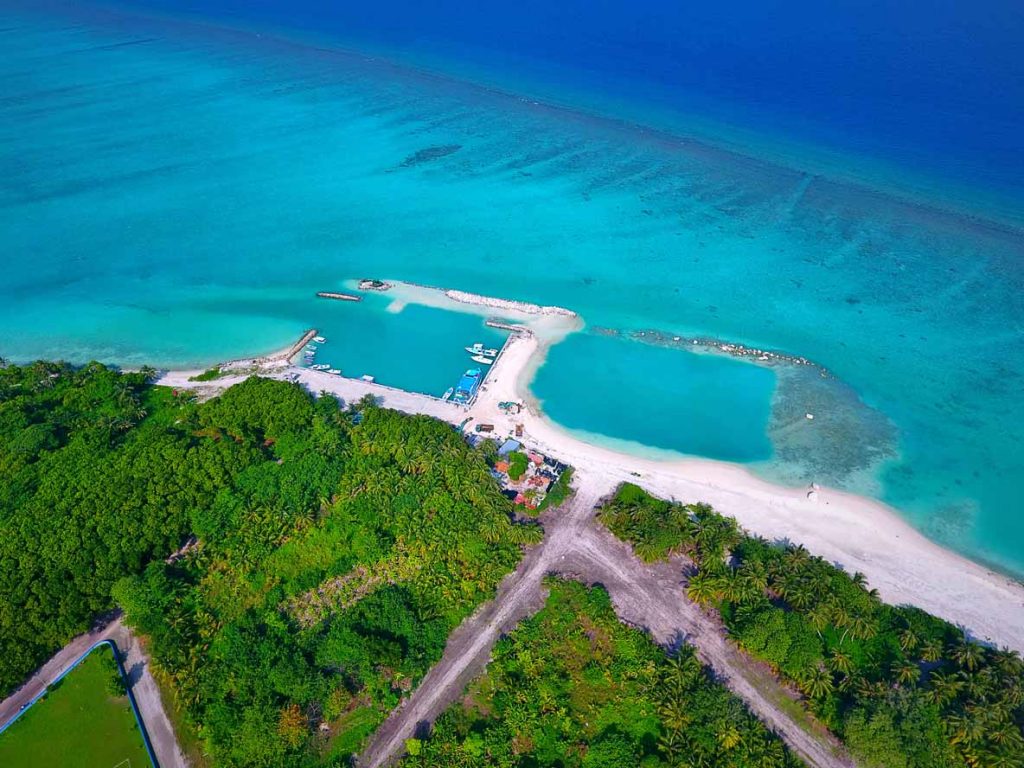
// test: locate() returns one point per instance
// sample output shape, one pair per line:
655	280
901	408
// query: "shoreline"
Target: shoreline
855	532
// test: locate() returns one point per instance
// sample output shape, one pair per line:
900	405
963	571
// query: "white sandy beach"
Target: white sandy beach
857	533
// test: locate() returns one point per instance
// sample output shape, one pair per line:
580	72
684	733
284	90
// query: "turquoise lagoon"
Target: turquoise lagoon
673	400
176	193
421	349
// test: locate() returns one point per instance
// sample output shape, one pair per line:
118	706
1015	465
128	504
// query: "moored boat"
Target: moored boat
448	393
465	390
319	339
481	359
476	349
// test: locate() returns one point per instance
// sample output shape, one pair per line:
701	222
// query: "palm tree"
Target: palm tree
862	628
819	617
931	650
945	687
730	737
967	654
703	589
1004	758
840	661
908	640
796	556
674	715
1008	662
907	673
817	683
965	729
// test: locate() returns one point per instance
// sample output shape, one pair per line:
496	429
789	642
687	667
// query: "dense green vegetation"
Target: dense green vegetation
94	481
517	464
336	550
900	687
573	687
559	491
80	721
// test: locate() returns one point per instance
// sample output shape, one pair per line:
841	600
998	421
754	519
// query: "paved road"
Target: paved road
652	597
141	682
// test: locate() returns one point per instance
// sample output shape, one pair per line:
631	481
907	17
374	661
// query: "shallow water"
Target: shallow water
420	349
696	404
176	195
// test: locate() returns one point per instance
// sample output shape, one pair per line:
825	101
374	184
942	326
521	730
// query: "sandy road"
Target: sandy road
651	597
468	649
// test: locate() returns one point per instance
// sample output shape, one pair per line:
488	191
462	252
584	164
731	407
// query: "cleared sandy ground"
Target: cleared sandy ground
650	597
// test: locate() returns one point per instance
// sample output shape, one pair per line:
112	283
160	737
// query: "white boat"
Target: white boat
490	353
333	370
319	339
320	367
481	359
367	377
448	393
476	349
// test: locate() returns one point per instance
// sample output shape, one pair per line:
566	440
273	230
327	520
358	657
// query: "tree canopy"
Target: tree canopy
899	686
573	687
334	552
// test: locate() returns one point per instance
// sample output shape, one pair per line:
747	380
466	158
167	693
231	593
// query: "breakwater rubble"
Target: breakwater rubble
717	346
336	295
507	304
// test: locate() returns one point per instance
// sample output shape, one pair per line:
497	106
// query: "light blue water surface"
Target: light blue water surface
420	349
175	195
677	400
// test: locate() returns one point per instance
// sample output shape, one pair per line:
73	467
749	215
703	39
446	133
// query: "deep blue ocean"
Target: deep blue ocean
935	88
840	181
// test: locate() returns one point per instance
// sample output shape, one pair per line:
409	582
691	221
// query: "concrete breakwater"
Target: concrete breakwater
492	323
717	346
294	349
339	296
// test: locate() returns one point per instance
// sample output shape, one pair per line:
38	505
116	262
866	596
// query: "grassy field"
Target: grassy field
77	724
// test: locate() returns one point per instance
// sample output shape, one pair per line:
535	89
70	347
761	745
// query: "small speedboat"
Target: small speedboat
476	349
481	359
333	370
367	377
320	367
319	339
448	393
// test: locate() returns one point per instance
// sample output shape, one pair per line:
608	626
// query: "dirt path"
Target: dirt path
650	597
147	697
141	682
468	650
